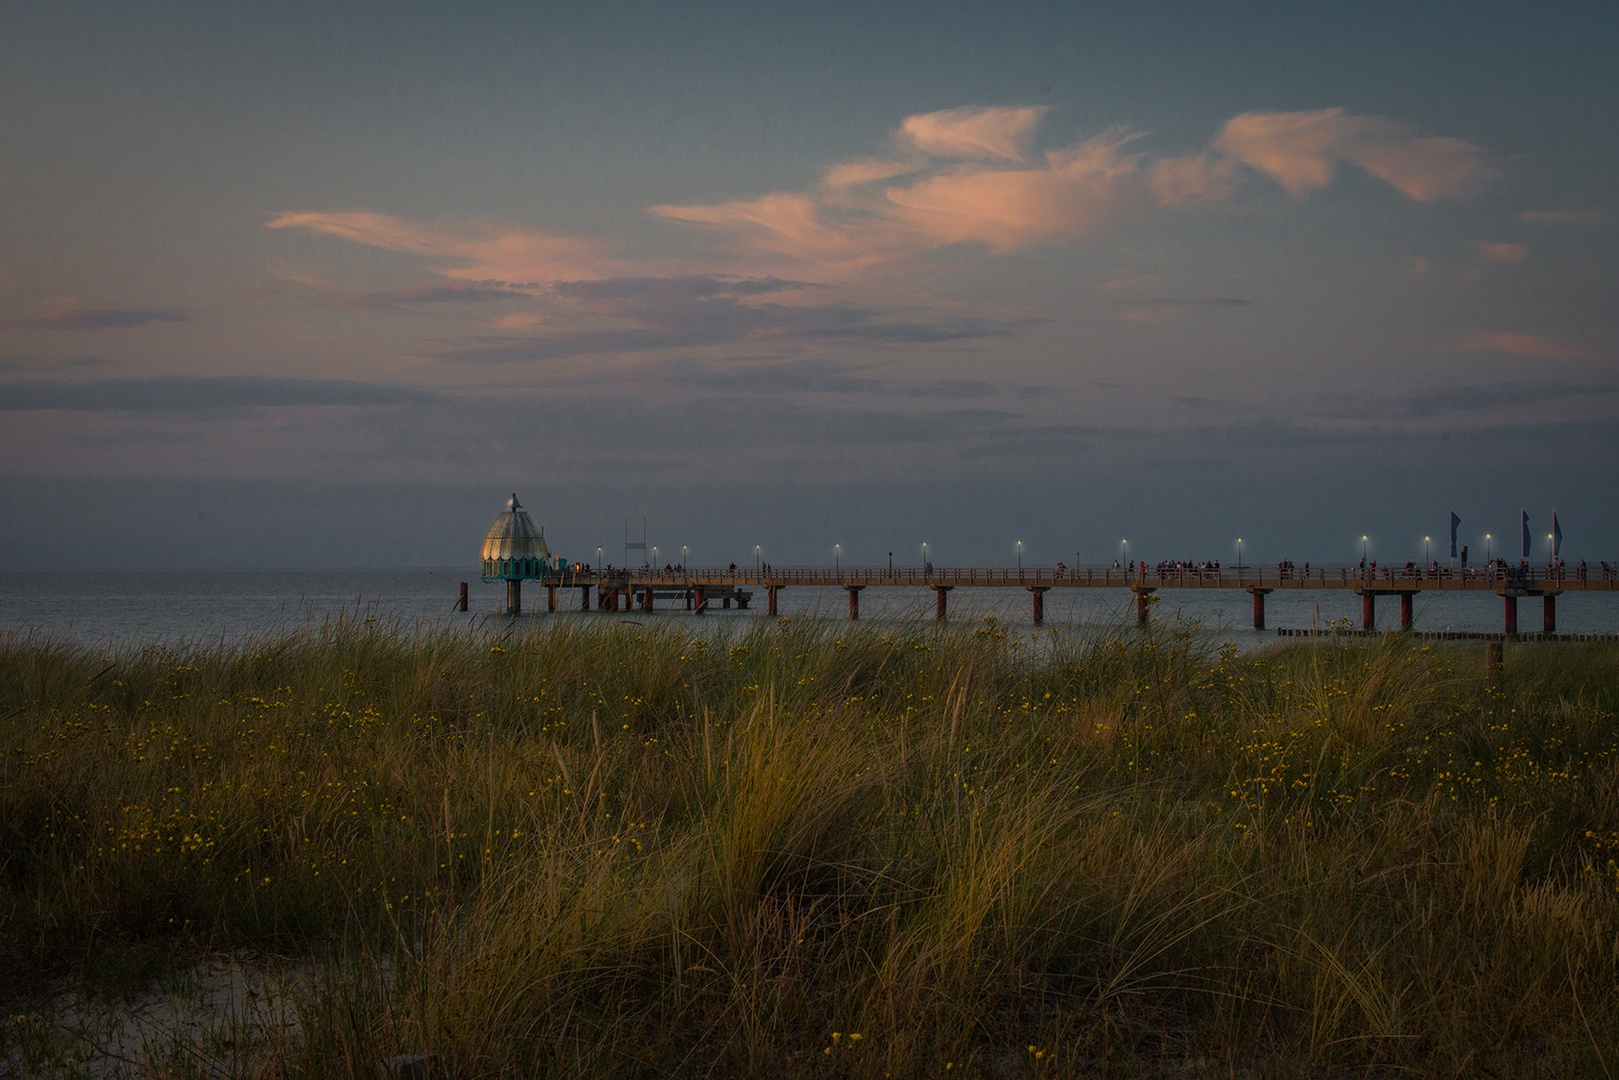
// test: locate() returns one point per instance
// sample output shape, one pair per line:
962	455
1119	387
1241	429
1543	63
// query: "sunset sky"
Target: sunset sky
309	284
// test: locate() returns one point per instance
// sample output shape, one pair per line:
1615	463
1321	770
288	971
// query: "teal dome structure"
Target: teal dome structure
515	548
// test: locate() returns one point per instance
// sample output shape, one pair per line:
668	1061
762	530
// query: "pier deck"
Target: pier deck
699	587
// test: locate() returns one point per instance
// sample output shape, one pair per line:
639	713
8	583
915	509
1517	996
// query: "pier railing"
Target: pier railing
1393	579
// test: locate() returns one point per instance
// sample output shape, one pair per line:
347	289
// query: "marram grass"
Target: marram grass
815	849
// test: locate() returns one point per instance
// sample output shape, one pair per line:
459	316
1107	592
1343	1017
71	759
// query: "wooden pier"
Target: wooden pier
701	590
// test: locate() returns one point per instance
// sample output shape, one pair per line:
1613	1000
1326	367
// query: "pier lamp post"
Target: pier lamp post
598	560
1549	557
924	553
1486	549
837	560
1425	542
1239	553
683	558
1124	552
654	556
756	560
1363	549
1020	556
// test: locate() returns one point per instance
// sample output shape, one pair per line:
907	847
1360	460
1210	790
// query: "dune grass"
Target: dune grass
806	848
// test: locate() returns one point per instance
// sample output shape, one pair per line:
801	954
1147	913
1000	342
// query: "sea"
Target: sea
118	610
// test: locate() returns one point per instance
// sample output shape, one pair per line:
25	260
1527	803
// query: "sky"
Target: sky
320	285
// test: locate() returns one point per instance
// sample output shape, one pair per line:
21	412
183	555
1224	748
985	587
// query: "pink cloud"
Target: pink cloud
974	133
1079	189
1202	178
801	227
976	182
1548	348
1503	254
476	252
855	173
1302	150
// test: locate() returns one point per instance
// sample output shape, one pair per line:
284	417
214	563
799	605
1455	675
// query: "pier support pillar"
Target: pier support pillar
725	602
1368	611
700	599
742	601
940	591
688	599
770	595
1144	606
462	606
1405	610
550	598
584	598
1259	607
1548	614
646	599
1512	615
854	600
1039	595
514	597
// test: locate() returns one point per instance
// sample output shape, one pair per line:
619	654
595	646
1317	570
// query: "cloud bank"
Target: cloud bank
968	176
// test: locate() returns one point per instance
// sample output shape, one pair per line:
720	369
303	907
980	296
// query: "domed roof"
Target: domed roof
513	535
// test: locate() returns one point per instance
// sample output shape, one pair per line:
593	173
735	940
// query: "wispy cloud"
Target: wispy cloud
417	296
1302	150
85	317
473	252
1548	348
969	175
974	133
1160	310
658	323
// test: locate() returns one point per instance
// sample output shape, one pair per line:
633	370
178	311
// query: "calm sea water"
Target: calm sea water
132	608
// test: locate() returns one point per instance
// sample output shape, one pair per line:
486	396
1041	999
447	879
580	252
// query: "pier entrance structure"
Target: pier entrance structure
515	551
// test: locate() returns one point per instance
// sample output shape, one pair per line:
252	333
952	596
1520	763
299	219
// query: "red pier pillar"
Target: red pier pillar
940	591
1548	613
854	600
1039	604
1259	607
770	595
701	600
1512	615
1368	611
1405	610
